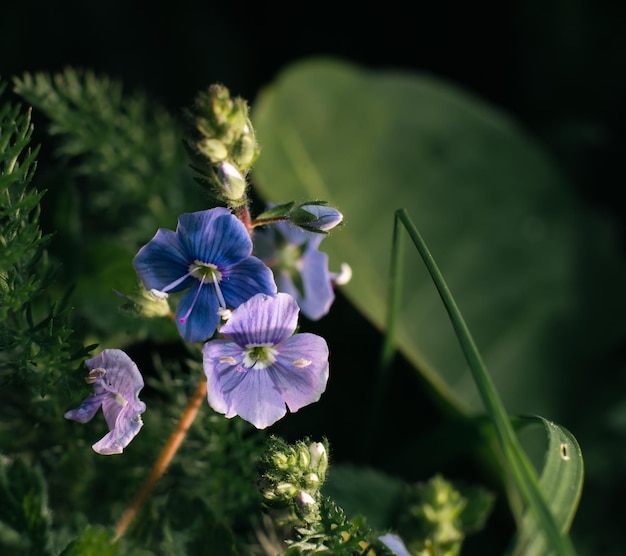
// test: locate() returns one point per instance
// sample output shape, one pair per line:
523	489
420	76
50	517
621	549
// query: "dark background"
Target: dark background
557	66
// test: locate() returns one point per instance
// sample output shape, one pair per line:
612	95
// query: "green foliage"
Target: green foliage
24	514
499	216
561	482
96	541
438	514
36	341
120	174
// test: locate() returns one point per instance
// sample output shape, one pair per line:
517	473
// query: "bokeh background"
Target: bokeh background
556	67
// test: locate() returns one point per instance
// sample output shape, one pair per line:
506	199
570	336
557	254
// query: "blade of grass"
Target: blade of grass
522	471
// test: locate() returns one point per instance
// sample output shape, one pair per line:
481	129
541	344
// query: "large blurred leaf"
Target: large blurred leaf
561	482
497	216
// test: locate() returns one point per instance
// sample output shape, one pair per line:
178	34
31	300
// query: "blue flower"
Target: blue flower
261	366
209	255
316	217
300	269
117	383
395	544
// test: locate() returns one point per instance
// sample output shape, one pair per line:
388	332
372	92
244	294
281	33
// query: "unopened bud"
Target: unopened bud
245	149
287	490
233	185
319	458
305	502
213	149
316	217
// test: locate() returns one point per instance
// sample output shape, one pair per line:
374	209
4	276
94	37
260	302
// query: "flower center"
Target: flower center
260	356
205	273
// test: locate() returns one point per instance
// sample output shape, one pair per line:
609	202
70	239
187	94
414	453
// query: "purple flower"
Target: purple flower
117	383
395	544
316	217
300	269
261	365
209	255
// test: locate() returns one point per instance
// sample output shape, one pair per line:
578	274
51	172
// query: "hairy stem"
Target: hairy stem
164	459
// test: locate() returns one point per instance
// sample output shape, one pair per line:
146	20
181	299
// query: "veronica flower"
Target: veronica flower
210	256
395	544
261	366
117	383
300	269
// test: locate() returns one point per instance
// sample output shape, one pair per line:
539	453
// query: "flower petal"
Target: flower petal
121	371
262	320
117	385
300	371
162	261
214	236
244	280
87	409
220	357
235	390
201	318
127	426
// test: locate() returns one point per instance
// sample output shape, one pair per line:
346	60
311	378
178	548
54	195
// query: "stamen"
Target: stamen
172	285
184	318
225	314
158	294
228	359
302	363
218	292
95	375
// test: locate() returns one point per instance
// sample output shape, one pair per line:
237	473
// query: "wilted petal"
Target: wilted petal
117	383
87	409
126	428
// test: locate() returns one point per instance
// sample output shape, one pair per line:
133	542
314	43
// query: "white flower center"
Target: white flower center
259	356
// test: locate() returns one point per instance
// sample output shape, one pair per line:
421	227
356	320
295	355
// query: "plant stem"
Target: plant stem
164	459
523	473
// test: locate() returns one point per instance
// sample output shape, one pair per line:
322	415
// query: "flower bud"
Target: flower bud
287	490
306	503
315	217
245	150
213	149
319	459
233	184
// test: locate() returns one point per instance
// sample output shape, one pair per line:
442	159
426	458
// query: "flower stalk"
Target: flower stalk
167	453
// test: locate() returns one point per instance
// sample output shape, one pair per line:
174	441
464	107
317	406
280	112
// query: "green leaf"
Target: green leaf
561	483
496	213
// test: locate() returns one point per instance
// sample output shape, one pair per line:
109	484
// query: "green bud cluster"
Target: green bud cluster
438	516
292	474
221	143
